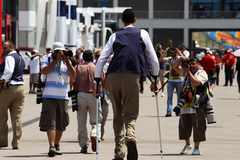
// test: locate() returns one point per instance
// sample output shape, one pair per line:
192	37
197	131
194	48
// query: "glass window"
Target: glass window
205	1
227	7
193	1
73	12
216	6
62	8
67	11
101	3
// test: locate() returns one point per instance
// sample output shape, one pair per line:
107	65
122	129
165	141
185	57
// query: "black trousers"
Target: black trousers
228	75
217	71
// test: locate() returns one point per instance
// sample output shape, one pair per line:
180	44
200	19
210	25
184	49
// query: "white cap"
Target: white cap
58	46
209	52
35	51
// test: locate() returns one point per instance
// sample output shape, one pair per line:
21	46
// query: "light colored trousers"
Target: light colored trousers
87	103
12	99
123	89
105	111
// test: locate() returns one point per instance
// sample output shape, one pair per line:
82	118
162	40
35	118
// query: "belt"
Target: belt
16	84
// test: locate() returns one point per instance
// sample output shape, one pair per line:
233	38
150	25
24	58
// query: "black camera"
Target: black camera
68	53
186	64
183	98
73	95
39	86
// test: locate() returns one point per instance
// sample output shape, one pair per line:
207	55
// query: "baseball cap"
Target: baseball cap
229	50
58	46
35	51
209	52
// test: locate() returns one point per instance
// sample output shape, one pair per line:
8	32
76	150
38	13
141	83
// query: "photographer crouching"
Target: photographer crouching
193	84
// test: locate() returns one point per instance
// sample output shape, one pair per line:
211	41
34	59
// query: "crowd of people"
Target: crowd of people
111	75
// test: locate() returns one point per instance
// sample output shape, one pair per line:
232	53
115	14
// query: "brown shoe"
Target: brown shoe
132	150
94	143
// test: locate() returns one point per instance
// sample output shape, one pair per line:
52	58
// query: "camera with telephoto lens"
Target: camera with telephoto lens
183	98
210	113
68	53
73	95
186	64
39	85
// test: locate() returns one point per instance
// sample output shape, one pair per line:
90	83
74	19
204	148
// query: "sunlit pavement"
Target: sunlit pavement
223	140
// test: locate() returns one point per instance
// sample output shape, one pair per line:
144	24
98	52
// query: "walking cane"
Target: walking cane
159	129
98	81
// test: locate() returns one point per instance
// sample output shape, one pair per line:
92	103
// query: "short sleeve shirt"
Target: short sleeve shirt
202	77
56	85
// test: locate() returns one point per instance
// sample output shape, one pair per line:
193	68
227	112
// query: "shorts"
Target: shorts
162	74
54	114
211	82
187	122
34	77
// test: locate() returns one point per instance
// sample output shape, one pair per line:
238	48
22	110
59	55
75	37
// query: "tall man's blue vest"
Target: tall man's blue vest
129	53
18	68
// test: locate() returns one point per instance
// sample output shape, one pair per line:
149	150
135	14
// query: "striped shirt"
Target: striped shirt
56	86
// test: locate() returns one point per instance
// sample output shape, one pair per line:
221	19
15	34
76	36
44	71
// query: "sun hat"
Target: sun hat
58	46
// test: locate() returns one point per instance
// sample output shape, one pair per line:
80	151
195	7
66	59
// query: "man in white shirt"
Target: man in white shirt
34	67
130	47
183	50
12	96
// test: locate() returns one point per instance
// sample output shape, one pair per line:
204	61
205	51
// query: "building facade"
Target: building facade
177	19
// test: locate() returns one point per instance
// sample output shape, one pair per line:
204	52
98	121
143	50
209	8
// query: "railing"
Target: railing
169	14
214	14
192	14
141	14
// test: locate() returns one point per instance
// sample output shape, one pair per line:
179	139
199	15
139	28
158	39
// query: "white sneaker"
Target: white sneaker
186	148
196	151
162	95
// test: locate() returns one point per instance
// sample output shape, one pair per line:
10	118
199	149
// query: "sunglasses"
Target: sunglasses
97	55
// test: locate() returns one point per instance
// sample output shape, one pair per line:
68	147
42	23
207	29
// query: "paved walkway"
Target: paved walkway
223	140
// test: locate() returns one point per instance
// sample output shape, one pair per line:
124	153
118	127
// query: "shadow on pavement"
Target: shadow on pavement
149	155
24	124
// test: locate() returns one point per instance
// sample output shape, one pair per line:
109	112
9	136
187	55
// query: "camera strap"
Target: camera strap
59	66
187	83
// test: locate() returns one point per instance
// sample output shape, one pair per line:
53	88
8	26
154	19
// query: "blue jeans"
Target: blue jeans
170	88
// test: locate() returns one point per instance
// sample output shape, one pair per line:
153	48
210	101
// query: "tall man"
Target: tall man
11	98
54	116
123	75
